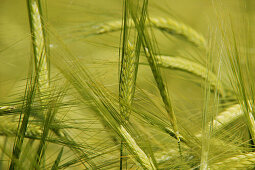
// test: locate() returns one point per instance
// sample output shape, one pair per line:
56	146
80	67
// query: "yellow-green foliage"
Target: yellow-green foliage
133	84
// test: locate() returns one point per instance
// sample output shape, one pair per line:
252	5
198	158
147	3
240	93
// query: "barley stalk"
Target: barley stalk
168	25
191	67
127	76
39	54
95	92
41	77
149	53
242	161
152	60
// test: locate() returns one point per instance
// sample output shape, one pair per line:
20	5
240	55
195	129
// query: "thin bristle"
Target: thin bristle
8	127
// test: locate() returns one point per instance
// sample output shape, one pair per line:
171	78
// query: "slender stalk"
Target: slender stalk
127	83
147	46
41	69
128	71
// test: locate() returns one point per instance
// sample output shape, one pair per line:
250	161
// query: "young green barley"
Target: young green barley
243	161
148	49
152	60
127	80
193	68
41	79
146	161
100	98
174	27
229	115
6	110
128	73
224	118
39	45
168	25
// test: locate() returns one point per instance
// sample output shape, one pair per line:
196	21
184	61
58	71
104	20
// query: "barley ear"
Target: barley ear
147	46
193	68
106	105
152	60
127	80
146	161
6	110
168	25
229	115
178	29
224	118
128	72
244	161
37	28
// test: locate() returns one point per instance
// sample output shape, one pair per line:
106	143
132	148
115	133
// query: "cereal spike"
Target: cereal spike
174	27
6	110
127	81
230	114
191	67
168	25
243	161
39	46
